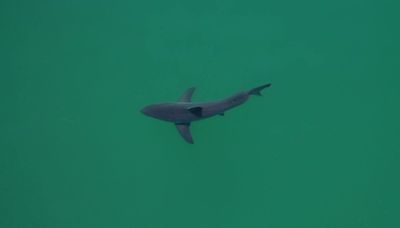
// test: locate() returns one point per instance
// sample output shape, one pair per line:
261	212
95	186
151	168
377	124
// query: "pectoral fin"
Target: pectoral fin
184	130
187	95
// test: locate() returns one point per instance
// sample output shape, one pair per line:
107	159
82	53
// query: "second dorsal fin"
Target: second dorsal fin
196	110
187	95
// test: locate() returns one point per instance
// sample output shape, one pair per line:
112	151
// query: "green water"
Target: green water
319	149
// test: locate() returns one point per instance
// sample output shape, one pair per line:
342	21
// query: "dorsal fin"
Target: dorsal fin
187	95
196	110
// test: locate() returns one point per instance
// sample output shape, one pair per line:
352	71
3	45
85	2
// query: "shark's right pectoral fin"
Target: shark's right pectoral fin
184	130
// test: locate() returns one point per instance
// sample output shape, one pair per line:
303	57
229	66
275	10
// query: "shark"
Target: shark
183	112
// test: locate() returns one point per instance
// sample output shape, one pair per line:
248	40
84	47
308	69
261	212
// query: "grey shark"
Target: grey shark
184	111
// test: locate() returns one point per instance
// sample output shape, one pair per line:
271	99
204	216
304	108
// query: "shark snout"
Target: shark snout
146	110
151	110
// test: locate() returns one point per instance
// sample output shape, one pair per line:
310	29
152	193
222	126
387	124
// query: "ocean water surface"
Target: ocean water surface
320	148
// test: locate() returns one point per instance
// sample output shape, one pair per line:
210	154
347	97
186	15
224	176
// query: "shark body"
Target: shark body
184	111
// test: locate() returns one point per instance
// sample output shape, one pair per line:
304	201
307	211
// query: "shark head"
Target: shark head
152	111
163	111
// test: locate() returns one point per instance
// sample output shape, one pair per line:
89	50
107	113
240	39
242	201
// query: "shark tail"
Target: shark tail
257	90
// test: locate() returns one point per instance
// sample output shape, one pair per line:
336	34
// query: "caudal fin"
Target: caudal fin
257	90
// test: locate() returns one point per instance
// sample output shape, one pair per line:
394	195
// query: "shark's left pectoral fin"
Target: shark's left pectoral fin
187	95
184	130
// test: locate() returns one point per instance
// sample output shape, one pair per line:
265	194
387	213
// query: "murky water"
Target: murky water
318	149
